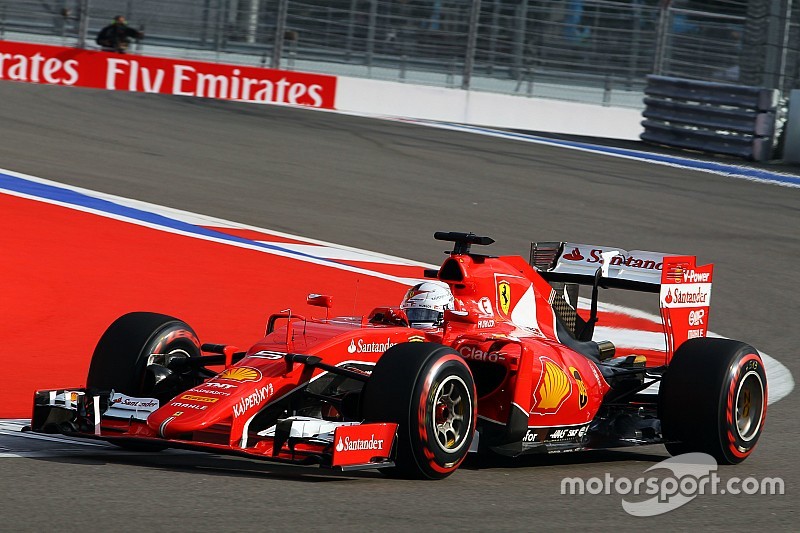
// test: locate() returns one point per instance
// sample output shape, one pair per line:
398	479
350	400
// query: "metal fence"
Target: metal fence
570	49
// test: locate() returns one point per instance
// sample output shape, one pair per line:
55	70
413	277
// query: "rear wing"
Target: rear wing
684	288
580	263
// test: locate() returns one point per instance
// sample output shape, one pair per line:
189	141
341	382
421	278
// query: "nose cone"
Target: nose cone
236	392
191	411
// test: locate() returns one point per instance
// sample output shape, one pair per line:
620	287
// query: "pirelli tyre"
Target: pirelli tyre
133	355
713	399
428	390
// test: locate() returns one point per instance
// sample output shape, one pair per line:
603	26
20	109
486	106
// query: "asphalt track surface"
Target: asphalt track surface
387	187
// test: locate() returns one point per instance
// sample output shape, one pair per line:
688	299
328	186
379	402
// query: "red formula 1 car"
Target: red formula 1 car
512	369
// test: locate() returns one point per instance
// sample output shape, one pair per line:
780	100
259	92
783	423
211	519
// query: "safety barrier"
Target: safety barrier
710	117
59	65
504	46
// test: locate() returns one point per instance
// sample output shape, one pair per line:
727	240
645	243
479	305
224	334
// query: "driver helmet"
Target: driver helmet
425	303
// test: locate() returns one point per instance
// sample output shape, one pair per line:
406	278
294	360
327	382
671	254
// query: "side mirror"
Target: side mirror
460	316
320	300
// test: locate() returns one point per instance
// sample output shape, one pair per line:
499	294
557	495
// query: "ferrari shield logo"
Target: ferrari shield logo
504	296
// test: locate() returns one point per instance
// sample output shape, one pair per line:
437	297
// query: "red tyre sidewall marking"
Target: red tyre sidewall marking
423	398
730	405
175	335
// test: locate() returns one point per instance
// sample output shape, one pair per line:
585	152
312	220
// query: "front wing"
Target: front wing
122	420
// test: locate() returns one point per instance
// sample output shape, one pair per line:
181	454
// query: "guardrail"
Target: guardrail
718	118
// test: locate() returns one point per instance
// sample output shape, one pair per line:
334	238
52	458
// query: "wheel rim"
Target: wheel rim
749	406
452	410
164	359
162	380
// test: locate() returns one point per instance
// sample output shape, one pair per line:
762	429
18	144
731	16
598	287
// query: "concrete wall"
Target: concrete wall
393	99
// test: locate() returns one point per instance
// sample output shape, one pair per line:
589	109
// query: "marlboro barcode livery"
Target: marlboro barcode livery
488	350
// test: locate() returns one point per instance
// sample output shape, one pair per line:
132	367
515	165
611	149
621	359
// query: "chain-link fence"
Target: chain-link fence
572	49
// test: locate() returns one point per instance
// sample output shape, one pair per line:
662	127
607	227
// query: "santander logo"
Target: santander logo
347	444
616	258
133	402
369	347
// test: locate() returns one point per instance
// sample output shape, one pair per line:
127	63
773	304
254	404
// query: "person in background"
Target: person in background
116	37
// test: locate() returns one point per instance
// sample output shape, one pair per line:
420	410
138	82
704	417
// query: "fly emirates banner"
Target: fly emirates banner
57	65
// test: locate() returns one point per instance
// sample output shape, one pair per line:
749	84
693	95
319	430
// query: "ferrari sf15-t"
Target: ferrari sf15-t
513	369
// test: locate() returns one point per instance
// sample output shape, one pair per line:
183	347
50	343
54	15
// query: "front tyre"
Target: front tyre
713	399
136	352
133	355
428	390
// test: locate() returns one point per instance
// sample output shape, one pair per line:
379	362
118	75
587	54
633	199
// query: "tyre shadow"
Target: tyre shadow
210	464
186	461
652	454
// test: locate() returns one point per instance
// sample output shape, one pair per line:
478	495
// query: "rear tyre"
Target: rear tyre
713	399
428	390
133	356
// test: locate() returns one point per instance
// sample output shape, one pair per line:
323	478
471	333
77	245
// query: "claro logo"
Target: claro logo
38	69
476	354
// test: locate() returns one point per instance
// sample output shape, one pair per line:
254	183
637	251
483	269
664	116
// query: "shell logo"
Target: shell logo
553	388
241	373
675	274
